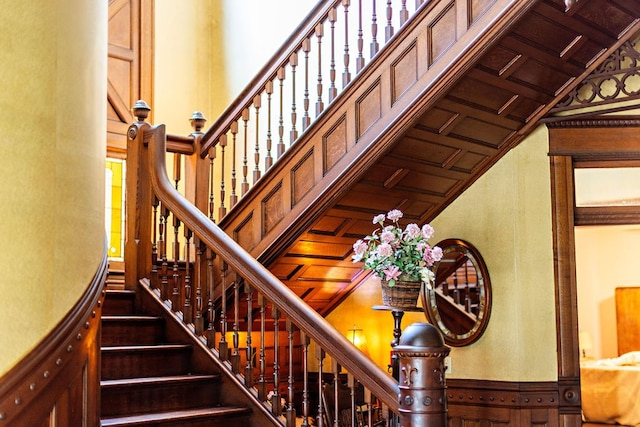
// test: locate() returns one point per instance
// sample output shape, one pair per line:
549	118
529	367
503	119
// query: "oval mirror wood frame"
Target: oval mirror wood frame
461	309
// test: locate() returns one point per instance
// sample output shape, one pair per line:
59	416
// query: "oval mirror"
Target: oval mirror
460	302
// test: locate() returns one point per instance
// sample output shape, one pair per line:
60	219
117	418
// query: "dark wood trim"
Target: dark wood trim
607	215
483	402
605	142
58	382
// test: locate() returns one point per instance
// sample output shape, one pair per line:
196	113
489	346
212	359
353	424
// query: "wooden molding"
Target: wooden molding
58	382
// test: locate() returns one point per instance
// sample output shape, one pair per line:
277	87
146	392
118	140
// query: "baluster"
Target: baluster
211	330
176	168
199	321
360	58
257	101
456	291
187	309
386	414
235	354
404	13
275	399
280	76
333	14
367	401
212	157
248	370
175	295
388	31
374	46
245	165
233	198
346	75
304	340
164	269
293	134
222	211
268	160
262	381
335	369
291	412
319	103
320	357
306	47
154	244
352	393
223	346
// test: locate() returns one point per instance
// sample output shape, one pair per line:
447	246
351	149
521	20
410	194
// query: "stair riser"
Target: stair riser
118	303
129	400
123	332
155	363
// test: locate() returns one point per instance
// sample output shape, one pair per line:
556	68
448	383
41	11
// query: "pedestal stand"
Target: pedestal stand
397	313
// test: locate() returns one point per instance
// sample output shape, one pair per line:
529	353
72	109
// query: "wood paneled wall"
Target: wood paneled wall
493	403
58	383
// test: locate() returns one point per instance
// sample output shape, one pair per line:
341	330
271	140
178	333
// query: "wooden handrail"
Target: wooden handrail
307	319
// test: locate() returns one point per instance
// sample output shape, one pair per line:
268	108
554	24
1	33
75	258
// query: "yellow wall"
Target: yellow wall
208	51
52	153
506	214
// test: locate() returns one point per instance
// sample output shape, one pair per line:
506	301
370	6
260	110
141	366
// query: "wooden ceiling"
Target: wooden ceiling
413	133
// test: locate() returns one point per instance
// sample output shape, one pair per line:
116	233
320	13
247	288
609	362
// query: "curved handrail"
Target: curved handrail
308	320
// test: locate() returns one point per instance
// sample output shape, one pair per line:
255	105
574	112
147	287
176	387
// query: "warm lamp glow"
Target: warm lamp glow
356	336
584	340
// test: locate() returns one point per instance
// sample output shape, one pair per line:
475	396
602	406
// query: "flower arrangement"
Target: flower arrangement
395	254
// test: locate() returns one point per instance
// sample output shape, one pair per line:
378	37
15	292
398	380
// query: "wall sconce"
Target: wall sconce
356	336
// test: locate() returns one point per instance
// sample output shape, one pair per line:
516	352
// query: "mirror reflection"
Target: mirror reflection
460	302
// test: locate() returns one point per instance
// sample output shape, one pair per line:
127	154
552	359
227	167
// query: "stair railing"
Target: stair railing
260	330
307	74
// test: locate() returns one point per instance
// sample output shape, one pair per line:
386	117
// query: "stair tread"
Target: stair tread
186	414
154	347
130	317
158	380
119	293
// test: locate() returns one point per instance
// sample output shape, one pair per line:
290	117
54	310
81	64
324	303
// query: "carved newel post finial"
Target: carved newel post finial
141	110
197	121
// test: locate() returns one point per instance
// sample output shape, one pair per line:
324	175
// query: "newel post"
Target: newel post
423	401
197	168
139	198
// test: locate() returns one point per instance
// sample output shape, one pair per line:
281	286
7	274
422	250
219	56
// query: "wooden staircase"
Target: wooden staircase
148	379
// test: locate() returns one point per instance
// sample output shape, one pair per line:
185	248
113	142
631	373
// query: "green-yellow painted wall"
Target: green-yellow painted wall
506	214
52	155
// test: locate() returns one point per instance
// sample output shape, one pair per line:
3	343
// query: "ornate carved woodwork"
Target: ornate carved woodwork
615	78
58	382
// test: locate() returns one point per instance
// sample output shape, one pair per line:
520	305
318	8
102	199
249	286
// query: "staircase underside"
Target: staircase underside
417	127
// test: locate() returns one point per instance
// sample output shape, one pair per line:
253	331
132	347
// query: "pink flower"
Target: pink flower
427	231
387	236
436	253
394	215
391	273
385	250
378	219
432	255
359	248
412	231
